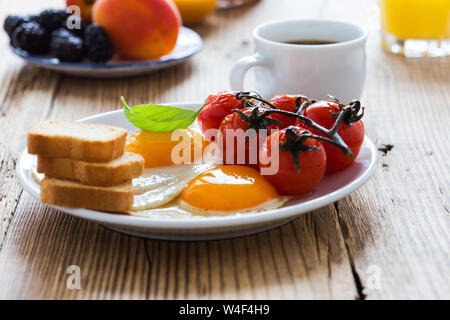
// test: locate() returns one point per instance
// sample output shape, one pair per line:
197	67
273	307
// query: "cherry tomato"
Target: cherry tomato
301	165
352	133
287	103
236	149
217	106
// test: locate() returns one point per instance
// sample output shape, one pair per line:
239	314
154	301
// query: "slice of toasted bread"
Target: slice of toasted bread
75	195
77	140
103	174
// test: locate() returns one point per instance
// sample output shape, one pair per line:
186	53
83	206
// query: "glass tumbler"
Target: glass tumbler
416	28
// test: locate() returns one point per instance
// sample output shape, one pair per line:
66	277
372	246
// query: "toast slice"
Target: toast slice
77	140
103	174
75	195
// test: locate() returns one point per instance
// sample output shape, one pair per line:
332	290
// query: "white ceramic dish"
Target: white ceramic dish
331	188
188	44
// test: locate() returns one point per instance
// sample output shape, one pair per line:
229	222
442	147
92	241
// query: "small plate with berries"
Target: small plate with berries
94	46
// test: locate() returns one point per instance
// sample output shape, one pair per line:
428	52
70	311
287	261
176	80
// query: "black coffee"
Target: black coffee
310	42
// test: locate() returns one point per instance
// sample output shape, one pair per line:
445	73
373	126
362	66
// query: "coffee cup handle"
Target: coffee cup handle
241	67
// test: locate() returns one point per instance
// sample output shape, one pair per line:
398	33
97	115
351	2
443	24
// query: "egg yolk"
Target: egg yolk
228	188
156	147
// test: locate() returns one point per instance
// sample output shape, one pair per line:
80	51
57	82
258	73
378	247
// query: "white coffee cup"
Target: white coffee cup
336	69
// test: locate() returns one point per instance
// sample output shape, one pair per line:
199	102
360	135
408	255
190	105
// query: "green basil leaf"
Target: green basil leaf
156	118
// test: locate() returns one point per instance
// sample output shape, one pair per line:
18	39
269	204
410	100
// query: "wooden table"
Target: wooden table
389	239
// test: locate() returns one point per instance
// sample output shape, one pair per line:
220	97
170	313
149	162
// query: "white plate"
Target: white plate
330	189
188	44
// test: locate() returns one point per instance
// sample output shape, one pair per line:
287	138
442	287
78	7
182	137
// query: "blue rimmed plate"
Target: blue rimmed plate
188	44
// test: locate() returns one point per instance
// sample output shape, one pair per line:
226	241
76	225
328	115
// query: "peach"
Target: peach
139	29
85	7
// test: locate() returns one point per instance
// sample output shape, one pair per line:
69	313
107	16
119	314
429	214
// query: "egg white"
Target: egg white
159	186
268	205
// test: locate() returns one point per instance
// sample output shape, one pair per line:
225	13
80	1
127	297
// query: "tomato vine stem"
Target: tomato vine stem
347	113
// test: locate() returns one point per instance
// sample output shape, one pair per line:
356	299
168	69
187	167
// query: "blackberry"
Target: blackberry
32	17
31	37
52	19
76	25
62	33
65	46
98	45
12	22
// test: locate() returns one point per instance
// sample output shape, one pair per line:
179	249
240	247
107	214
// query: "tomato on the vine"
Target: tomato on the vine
286	103
351	130
301	161
216	107
240	145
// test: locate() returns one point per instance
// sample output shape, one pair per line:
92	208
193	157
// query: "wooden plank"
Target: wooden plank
304	259
26	95
400	226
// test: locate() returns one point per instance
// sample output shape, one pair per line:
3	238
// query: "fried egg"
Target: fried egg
158	186
156	147
202	190
163	180
228	189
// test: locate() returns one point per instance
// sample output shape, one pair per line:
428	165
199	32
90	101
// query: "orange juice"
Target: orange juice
416	19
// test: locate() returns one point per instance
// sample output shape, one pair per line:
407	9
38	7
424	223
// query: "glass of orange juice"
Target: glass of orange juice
416	28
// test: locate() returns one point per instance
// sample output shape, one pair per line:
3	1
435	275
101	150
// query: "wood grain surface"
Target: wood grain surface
395	228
